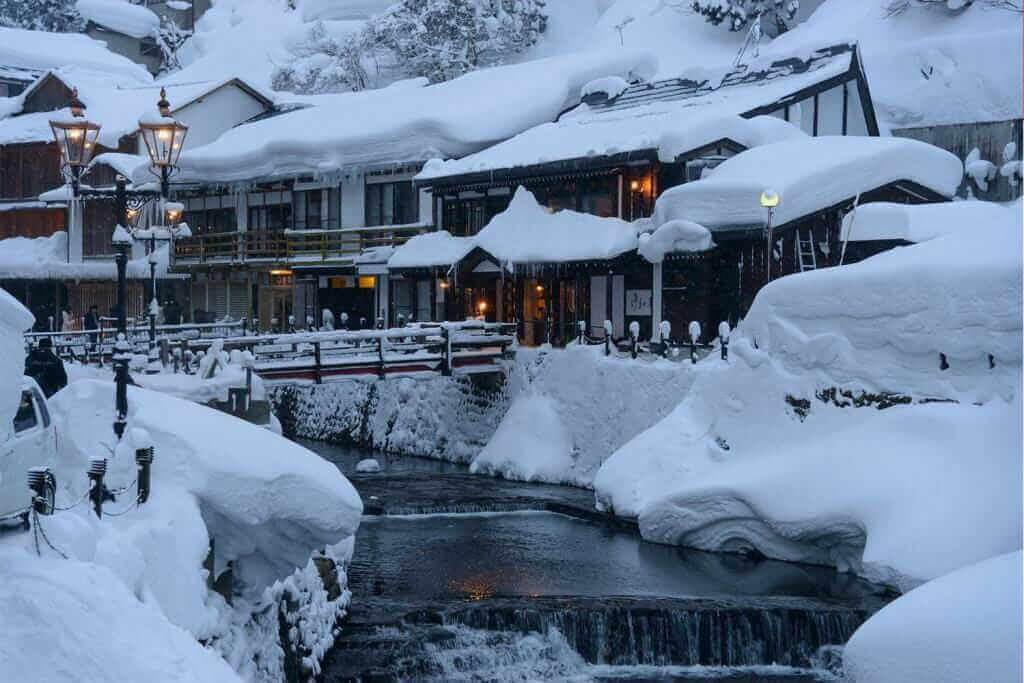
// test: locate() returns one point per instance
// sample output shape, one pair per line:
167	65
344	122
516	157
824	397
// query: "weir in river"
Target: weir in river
462	577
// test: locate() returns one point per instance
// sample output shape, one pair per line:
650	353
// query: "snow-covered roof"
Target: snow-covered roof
40	50
121	16
431	249
355	130
670	117
527	232
124	164
46	258
923	222
674	237
926	67
808	175
116	103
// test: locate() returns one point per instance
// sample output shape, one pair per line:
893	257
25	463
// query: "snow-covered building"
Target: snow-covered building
299	210
72	249
808	185
620	147
130	29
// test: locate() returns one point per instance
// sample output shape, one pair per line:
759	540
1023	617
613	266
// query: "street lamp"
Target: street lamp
769	200
76	138
164	138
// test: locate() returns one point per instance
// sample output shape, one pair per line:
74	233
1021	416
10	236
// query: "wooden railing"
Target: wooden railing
290	246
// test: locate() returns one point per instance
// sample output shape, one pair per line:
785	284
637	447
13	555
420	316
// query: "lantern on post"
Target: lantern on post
769	200
76	139
164	137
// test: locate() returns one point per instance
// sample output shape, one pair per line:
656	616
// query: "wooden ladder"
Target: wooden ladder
805	251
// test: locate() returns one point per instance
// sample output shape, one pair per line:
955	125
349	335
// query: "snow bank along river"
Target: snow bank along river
523	593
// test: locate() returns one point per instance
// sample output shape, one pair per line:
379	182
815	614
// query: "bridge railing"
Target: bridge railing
445	348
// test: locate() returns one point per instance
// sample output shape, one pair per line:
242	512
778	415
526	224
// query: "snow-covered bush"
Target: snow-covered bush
737	14
984	175
42	15
894	7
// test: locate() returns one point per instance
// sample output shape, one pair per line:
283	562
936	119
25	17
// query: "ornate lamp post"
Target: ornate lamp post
164	137
769	200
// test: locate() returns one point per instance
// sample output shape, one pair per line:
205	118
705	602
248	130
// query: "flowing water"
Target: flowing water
459	577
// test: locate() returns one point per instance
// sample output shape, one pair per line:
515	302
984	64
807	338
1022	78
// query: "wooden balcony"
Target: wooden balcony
292	247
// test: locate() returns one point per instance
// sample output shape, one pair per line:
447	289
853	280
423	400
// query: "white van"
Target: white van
33	443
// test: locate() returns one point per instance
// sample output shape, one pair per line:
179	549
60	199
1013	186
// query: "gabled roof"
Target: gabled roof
658	118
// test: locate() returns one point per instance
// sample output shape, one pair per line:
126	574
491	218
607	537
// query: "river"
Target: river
462	577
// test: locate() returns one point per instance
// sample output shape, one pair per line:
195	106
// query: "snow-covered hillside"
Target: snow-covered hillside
925	66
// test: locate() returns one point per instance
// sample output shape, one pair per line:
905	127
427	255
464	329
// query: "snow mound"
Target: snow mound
105	633
437	248
531	444
965	626
46	258
674	236
266	501
121	16
851	427
368	465
818	172
527	232
40	50
923	222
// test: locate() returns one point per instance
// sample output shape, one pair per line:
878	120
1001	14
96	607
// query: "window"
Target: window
207	215
25	418
41	403
317	208
270	211
391	204
599	196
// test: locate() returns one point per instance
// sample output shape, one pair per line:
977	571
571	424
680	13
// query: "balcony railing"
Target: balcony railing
293	247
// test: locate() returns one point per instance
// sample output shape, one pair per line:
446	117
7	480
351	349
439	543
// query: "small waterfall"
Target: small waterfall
711	634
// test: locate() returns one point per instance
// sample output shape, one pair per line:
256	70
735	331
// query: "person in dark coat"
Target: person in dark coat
172	313
92	322
45	368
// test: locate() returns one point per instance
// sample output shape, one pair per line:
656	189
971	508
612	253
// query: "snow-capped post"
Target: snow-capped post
97	469
380	356
608	329
634	338
582	327
666	334
723	337
694	337
144	454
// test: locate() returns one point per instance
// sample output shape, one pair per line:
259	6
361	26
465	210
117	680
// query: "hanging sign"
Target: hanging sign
638	302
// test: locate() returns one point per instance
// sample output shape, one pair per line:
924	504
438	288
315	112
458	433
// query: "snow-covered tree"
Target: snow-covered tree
41	15
169	38
321	63
737	14
894	7
442	39
436	39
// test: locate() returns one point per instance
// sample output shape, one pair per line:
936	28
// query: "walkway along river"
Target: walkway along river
462	577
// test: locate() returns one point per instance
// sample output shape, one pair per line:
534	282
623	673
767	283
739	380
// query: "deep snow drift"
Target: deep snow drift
787	448
965	626
266	503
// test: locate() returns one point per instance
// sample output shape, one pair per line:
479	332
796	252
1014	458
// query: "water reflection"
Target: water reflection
475	557
346	457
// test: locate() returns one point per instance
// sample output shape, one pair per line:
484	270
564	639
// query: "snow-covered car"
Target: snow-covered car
32	443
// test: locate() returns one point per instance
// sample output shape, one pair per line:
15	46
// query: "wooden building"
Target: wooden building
617	151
